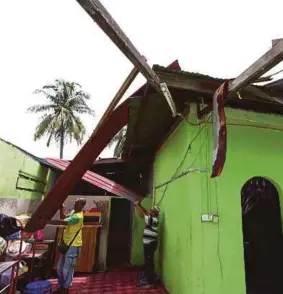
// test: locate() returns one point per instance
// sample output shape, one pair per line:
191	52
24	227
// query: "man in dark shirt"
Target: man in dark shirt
150	240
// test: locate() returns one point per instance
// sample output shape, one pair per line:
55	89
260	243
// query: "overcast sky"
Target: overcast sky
41	40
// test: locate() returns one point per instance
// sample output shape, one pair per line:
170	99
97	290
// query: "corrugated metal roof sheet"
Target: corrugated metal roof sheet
98	180
187	73
196	75
174	66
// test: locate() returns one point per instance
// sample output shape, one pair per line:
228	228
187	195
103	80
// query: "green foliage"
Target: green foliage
118	140
61	120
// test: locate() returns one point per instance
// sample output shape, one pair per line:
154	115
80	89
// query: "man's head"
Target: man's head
155	211
79	204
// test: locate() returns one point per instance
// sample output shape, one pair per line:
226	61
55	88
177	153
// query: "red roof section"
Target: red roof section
98	180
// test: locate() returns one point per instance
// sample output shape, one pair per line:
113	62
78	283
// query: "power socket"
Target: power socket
209	218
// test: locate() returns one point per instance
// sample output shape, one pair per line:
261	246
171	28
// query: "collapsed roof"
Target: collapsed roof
150	119
114	119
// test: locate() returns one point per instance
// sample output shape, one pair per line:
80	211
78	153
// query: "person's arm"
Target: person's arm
140	209
63	213
70	220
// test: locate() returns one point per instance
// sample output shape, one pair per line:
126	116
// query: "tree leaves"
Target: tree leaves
119	140
61	119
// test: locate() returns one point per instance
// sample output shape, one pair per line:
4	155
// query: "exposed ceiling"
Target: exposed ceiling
150	118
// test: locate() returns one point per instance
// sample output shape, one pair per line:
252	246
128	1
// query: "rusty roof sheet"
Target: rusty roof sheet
270	85
187	73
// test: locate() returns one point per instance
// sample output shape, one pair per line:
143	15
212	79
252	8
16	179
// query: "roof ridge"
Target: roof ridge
187	73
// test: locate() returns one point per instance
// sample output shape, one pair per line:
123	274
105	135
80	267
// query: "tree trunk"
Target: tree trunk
62	142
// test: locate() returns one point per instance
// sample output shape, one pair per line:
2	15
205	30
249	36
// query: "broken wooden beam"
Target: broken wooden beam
106	22
267	61
125	86
258	68
275	41
65	184
111	122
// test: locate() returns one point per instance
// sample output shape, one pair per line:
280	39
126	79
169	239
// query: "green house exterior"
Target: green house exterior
196	256
23	180
206	257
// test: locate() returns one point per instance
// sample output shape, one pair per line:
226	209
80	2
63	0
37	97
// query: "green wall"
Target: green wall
197	257
12	162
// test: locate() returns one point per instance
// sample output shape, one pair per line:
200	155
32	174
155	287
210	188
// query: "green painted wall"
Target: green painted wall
13	161
207	258
138	226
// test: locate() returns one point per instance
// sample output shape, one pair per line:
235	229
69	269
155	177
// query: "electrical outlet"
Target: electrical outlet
209	218
206	218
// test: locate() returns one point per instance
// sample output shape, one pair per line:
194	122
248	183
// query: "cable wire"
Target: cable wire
175	174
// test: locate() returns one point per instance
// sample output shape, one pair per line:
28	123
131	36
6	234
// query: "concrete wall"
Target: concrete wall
207	258
14	167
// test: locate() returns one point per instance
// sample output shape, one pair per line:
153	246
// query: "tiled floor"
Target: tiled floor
123	282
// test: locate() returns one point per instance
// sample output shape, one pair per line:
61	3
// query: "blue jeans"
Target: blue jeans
65	267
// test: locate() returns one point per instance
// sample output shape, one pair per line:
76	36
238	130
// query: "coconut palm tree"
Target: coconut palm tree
119	140
61	121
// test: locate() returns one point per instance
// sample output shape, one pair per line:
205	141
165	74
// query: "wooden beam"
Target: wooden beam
65	184
105	21
275	41
186	82
130	78
206	86
258	68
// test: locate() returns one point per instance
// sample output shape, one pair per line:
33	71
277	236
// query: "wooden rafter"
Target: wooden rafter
106	22
266	62
116	99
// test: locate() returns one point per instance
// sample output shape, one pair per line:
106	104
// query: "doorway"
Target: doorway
120	233
262	236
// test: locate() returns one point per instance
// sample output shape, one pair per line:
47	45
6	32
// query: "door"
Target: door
120	232
262	234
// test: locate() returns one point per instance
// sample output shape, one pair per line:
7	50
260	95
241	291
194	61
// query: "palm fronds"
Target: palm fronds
61	119
119	140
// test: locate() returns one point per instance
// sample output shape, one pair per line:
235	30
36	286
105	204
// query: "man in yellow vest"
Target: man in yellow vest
72	236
